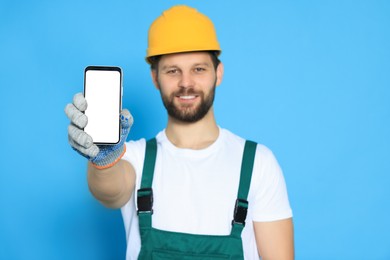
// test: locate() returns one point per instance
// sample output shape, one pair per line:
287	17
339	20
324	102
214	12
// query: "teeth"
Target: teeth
187	97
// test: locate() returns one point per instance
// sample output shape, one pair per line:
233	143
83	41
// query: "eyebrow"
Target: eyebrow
177	66
202	64
169	67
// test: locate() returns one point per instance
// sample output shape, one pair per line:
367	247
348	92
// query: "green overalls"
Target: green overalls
158	244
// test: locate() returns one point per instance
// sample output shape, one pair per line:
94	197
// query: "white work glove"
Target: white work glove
101	156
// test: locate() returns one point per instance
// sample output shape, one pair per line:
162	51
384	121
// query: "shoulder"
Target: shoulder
135	145
265	154
266	167
135	150
262	151
231	138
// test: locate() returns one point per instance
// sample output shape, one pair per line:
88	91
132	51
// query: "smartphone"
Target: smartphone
103	92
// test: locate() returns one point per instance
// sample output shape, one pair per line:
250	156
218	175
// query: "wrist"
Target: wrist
104	161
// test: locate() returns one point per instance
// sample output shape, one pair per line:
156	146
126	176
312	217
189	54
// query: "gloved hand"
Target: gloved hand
101	156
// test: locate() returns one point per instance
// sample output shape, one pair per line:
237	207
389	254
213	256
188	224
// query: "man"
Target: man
199	191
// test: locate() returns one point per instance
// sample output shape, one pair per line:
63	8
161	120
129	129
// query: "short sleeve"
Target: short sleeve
268	198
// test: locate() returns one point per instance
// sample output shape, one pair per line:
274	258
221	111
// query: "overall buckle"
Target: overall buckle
240	212
145	200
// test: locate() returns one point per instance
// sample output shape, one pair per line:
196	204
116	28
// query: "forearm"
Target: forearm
112	186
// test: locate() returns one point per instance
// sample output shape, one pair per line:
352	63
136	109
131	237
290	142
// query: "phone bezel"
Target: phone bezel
108	68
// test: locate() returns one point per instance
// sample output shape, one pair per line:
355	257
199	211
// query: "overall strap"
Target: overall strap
145	193
149	163
241	207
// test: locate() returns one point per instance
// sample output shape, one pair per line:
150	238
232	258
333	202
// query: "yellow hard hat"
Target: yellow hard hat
181	29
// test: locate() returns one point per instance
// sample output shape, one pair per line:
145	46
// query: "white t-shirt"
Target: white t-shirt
195	190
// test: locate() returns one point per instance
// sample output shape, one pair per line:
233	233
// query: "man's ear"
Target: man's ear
153	74
219	73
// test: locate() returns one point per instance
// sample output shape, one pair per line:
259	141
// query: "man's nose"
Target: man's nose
186	80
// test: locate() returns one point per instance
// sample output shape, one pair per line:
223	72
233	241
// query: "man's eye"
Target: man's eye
172	71
199	69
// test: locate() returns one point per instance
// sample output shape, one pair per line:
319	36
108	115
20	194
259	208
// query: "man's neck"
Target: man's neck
198	135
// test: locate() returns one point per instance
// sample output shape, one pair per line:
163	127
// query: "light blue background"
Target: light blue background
309	79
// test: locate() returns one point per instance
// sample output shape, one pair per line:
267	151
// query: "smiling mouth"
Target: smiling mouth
187	97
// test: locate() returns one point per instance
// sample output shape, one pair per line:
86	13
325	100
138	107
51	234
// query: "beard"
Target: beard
189	113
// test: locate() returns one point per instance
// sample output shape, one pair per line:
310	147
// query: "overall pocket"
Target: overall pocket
172	255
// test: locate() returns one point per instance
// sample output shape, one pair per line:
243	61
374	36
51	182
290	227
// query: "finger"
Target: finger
90	152
126	119
76	116
80	102
79	136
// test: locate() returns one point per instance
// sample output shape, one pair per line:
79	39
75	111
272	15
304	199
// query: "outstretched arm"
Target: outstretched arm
110	179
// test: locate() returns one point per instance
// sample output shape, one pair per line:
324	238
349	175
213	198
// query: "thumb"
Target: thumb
126	119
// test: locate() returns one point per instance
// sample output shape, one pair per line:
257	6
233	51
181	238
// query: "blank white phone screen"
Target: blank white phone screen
102	91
